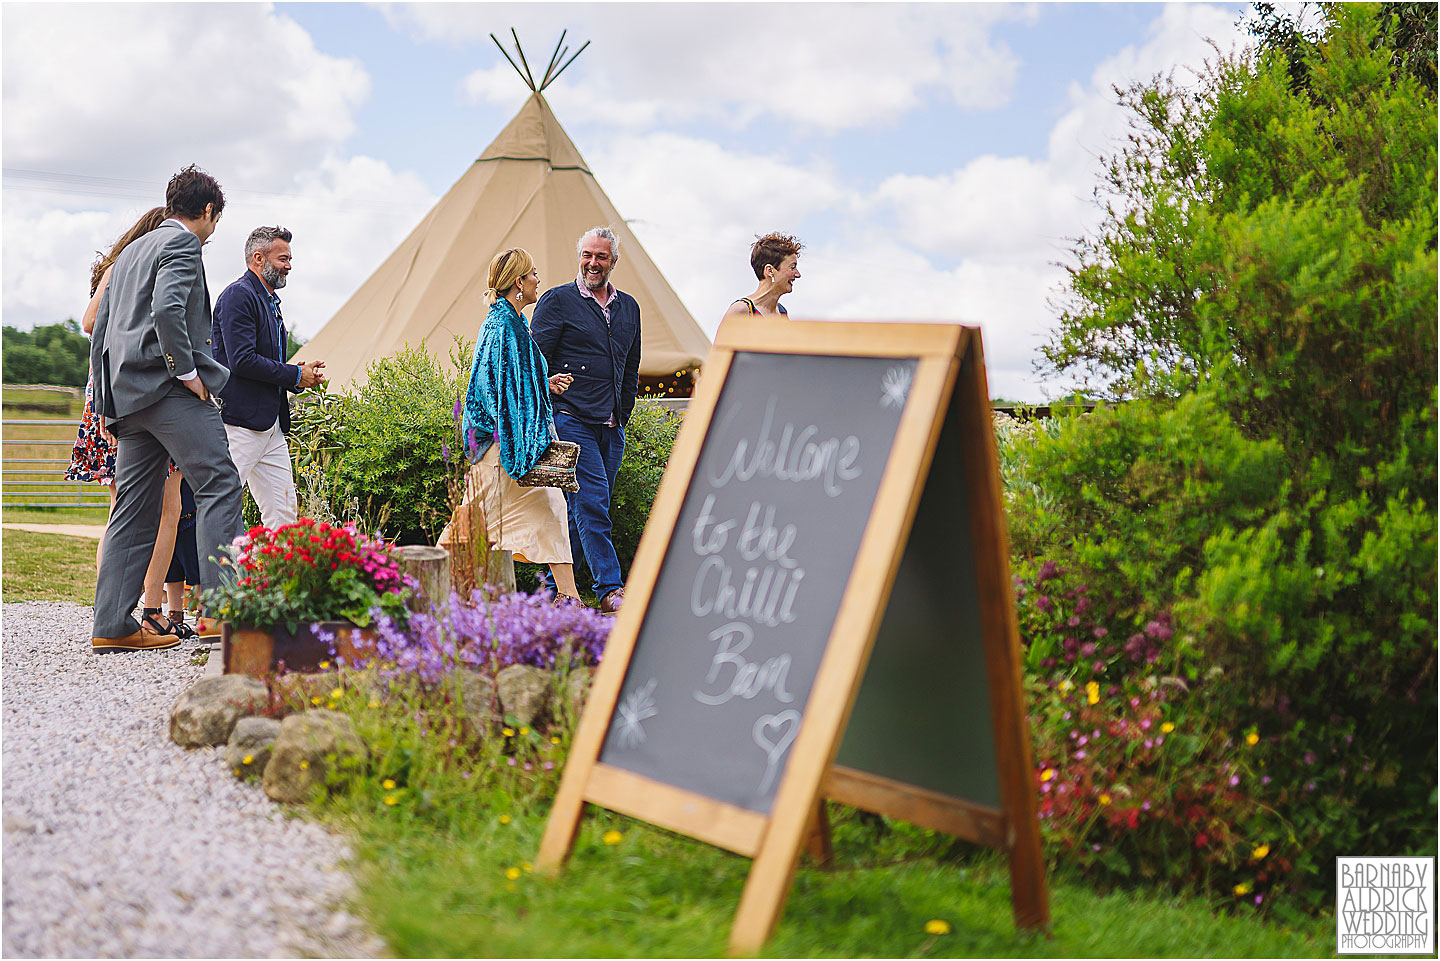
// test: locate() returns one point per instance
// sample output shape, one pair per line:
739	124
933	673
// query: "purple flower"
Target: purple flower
1042	603
459	408
1234	780
1048	570
445	452
1309	757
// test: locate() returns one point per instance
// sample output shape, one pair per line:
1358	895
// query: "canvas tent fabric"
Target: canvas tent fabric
532	189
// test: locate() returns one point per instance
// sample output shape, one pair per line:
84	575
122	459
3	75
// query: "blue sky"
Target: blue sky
932	157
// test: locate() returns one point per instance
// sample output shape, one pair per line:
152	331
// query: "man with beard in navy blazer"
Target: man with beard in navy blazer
250	339
591	331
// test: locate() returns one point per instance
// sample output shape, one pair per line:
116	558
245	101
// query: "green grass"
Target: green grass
433	866
443	892
48	567
56	515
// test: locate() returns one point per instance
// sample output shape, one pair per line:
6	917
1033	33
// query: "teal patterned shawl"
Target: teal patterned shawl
509	396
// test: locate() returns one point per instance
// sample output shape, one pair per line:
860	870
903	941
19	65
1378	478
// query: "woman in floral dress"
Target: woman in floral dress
93	457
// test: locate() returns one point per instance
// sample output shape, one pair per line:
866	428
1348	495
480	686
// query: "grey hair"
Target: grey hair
604	233
262	237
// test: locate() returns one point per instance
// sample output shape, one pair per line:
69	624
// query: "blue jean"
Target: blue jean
601	449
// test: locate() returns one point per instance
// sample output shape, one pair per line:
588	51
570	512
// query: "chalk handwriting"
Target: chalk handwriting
796	456
737	676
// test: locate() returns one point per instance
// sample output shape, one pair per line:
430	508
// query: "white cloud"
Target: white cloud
237	88
824	66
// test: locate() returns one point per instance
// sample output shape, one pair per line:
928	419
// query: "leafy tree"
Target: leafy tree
54	354
1269	242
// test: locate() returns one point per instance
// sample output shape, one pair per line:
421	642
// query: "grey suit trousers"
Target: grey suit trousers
182	427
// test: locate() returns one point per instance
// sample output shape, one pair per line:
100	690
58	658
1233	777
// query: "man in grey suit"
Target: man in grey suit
154	377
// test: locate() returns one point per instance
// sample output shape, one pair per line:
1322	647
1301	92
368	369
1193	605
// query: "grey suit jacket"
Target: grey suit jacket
153	323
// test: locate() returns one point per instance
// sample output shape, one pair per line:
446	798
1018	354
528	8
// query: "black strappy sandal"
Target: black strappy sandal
157	622
182	630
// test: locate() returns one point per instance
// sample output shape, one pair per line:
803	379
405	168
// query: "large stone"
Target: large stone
577	690
312	747
251	744
524	692
474	694
207	712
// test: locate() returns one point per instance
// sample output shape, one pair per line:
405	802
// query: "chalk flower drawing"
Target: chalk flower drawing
639	706
895	386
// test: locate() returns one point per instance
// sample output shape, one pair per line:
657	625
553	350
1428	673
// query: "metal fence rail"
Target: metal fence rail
45	485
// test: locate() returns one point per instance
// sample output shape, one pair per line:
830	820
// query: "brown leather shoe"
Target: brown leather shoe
207	627
142	640
567	600
610	603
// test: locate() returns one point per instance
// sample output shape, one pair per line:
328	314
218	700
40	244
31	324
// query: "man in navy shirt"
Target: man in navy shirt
591	331
250	339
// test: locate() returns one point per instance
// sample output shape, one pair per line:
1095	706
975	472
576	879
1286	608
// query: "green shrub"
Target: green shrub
649	437
394	429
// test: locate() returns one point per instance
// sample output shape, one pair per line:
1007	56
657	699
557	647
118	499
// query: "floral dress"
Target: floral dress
92	459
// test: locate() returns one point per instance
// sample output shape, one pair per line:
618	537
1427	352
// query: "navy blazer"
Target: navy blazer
605	361
245	342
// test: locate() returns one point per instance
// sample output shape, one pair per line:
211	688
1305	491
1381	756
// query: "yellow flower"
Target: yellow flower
304	765
1104	799
1092	693
524	731
335	694
1065	685
248	759
512	873
612	837
1252	739
388	784
1166	728
324	665
1260	852
315	699
504	819
508	732
391	800
374	703
237	772
1047	774
937	926
527	867
554	740
1242	888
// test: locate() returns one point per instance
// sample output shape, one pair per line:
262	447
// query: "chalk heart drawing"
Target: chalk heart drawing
773	734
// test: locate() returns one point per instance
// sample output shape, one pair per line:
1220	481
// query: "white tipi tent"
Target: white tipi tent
532	189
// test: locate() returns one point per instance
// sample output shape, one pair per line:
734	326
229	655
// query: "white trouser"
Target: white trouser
263	460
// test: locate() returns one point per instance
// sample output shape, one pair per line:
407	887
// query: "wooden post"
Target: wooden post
430	566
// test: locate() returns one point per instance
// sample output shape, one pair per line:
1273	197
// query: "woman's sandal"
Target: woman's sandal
182	630
152	618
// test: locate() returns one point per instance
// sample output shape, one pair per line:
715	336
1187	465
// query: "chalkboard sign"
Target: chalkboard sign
752	579
818	463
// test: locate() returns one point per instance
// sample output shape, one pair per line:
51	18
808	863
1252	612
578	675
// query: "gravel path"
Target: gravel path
117	843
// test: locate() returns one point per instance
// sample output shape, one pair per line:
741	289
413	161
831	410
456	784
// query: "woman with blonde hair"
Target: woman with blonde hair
508	423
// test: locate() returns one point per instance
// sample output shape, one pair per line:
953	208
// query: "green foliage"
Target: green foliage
1132	493
391	431
649	438
1264	280
53	354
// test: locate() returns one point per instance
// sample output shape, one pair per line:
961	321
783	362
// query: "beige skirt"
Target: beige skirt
530	522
